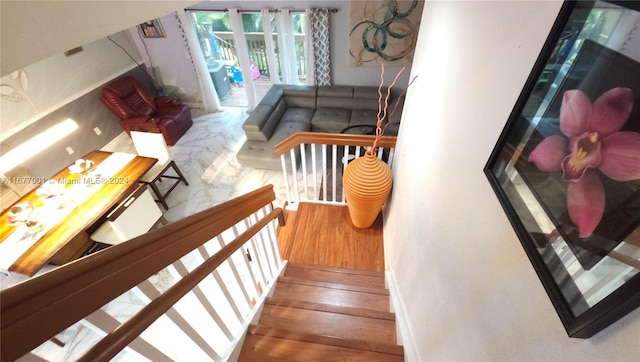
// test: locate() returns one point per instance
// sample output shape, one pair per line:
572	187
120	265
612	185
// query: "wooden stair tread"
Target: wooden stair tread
339	286
323	313
359	312
266	348
328	323
310	292
355	277
331	340
372	273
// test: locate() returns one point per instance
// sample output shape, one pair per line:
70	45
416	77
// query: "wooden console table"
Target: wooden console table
68	238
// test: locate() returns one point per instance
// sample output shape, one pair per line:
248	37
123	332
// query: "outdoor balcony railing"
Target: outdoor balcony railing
257	50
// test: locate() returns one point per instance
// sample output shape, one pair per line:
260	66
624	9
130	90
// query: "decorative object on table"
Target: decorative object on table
566	168
25	213
50	189
81	167
20	213
384	32
152	29
367	180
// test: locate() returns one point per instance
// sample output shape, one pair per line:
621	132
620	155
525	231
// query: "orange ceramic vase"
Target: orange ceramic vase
366	182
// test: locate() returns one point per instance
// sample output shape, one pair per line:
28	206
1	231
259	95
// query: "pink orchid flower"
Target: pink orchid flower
593	142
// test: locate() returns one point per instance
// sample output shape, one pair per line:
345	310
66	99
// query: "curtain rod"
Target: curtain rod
333	10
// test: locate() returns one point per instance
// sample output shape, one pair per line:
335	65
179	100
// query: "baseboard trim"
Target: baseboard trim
405	336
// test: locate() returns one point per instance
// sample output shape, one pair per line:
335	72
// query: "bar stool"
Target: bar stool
136	215
151	144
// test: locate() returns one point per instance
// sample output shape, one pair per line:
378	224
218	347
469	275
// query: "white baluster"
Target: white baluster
334	168
303	160
315	172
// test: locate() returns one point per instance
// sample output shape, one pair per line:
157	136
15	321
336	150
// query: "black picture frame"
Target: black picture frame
592	278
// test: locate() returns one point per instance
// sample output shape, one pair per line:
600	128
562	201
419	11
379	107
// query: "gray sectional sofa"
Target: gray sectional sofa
287	109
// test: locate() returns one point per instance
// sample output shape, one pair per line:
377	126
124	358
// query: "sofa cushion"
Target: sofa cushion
302	115
347	97
301	102
392	129
265	131
299	90
364	103
174	122
261	155
257	118
272	96
256	154
340	91
363	116
333	102
334	97
272	122
300	96
367	92
330	120
286	129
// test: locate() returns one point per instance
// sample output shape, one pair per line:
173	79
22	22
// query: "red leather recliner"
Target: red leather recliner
137	109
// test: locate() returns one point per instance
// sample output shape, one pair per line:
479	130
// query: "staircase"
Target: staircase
312	313
322	313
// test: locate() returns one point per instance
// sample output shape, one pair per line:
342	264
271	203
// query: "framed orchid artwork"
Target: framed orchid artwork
566	167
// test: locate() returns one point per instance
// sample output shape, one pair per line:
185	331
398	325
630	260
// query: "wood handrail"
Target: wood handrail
117	340
34	311
331	139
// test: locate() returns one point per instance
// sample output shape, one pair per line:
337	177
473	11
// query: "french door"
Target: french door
256	49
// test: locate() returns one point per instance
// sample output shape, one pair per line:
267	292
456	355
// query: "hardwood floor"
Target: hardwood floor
238	97
324	235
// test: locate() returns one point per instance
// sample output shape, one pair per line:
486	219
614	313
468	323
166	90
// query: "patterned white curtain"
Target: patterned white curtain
243	57
270	49
286	44
309	60
319	39
210	100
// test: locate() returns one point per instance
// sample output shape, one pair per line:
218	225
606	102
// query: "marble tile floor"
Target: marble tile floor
206	156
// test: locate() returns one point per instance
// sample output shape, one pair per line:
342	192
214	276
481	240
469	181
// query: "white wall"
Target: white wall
466	286
35	30
55	81
171	59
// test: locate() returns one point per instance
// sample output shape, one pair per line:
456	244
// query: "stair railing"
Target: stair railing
313	163
194	285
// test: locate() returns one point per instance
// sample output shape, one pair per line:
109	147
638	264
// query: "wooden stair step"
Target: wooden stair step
266	348
337	341
363	278
332	294
360	312
372	273
328	323
339	286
